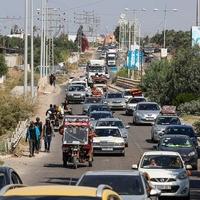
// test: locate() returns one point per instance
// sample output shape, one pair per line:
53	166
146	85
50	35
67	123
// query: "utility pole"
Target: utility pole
32	52
197	13
26	47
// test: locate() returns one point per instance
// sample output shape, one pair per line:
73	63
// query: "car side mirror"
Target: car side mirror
155	192
134	166
127	127
188	167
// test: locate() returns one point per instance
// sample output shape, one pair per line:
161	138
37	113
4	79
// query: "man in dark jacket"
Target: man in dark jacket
48	133
31	136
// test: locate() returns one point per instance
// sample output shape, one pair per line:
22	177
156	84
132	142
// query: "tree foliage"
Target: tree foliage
3	66
176	81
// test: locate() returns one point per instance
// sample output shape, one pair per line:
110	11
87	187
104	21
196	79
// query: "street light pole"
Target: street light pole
197	13
26	47
165	24
32	52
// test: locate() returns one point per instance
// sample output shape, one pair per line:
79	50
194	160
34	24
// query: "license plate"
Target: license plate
107	149
76	96
149	118
163	187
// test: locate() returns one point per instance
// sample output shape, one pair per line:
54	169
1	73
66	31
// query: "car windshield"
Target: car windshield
98	115
48	198
137	100
168	121
114	95
77	88
176	142
96	69
161	162
180	131
122	184
98	108
148	107
107	132
118	124
2	180
92	100
79	83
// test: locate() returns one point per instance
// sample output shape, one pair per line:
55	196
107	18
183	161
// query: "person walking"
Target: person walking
48	133
31	136
38	124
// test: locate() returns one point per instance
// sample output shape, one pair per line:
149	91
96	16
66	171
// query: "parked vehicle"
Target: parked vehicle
108	140
75	141
129	184
181	144
8	176
115	100
115	122
145	113
132	103
167	173
160	124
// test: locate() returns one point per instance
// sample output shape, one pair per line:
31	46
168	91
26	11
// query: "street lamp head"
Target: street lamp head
126	9
143	9
155	9
175	10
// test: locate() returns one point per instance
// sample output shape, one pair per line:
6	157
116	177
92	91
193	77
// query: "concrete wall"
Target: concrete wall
13	60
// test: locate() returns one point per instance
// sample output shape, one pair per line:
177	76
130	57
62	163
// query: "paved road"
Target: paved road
49	170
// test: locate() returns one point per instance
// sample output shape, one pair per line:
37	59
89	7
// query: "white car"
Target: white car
132	103
167	173
108	140
82	82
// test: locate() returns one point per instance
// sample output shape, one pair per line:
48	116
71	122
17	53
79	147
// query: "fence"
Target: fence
127	83
19	133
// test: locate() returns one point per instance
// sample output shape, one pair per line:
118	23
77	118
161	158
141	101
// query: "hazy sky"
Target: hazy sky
109	12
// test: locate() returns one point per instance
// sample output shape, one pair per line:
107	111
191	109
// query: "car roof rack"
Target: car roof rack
101	188
10	187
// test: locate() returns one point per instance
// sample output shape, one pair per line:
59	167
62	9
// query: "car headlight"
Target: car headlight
191	153
182	175
119	144
82	94
139	114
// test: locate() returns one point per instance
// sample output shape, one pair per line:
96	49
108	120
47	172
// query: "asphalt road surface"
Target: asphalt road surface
50	169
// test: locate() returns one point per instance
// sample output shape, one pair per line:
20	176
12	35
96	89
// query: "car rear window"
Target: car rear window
107	132
114	95
98	115
118	124
137	100
122	184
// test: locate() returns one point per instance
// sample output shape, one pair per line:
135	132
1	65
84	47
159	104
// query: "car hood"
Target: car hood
162	173
108	139
133	197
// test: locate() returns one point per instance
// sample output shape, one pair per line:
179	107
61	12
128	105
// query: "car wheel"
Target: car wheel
152	138
195	167
126	145
123	154
89	163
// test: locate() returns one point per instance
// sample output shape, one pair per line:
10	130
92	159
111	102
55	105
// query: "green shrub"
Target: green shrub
13	109
197	127
183	98
192	107
123	72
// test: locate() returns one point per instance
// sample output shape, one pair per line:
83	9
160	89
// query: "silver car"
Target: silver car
115	122
127	95
129	184
145	113
75	93
161	122
132	103
115	100
89	101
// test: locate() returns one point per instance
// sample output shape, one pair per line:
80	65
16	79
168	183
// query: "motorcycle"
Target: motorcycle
76	148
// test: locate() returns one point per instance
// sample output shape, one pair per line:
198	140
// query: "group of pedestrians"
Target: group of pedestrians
37	132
